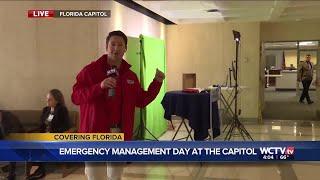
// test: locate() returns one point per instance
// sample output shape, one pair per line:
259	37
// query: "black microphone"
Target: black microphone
113	72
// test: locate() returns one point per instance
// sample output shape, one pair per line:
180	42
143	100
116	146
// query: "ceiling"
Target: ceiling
184	12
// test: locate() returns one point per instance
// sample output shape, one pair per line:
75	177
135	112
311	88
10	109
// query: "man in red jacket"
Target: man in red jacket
108	92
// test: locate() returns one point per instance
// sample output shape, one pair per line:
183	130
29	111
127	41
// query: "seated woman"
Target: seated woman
54	119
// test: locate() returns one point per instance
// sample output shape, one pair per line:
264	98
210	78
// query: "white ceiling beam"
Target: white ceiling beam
278	8
297	18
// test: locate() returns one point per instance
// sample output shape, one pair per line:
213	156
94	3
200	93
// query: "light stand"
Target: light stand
236	124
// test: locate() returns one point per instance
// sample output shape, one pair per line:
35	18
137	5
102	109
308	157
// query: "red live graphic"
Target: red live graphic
290	151
40	13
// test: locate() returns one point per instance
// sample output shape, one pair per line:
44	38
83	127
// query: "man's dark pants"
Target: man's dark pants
305	92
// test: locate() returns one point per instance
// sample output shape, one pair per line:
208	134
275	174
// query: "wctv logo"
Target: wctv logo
277	150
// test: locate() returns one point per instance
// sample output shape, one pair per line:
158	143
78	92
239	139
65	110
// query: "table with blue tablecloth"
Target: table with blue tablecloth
196	108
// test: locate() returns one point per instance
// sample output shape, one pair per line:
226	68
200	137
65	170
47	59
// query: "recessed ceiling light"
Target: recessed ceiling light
212	10
307	43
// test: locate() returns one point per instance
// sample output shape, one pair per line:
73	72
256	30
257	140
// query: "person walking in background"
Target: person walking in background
305	75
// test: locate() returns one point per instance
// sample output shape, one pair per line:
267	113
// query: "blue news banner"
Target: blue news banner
160	151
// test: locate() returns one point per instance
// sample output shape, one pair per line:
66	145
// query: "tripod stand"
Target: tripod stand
236	124
140	131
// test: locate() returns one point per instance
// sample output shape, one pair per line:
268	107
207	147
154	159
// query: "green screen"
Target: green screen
146	56
153	57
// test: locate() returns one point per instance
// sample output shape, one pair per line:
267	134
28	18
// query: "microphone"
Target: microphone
113	72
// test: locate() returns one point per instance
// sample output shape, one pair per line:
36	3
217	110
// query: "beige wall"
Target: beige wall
40	54
293	30
207	50
127	20
63	47
17	55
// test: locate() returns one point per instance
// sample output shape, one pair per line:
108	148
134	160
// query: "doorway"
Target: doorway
281	92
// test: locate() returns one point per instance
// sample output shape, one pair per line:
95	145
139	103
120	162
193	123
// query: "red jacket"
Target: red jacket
97	110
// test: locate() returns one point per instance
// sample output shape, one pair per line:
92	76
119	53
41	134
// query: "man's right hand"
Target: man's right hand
109	82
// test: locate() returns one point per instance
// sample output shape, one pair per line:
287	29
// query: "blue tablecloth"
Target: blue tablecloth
196	108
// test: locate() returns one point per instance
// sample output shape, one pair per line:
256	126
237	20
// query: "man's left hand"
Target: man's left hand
159	76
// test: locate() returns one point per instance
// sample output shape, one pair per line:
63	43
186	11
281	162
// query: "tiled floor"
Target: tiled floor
270	130
278	102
